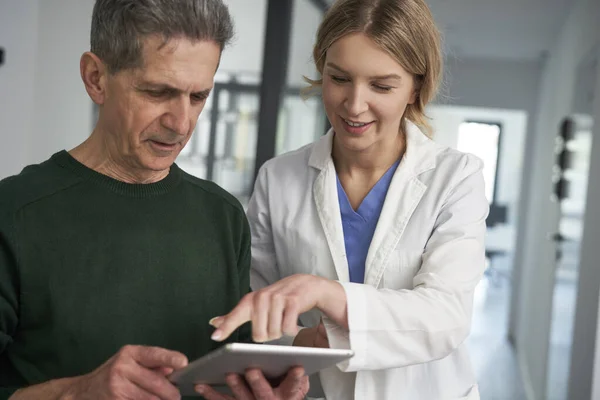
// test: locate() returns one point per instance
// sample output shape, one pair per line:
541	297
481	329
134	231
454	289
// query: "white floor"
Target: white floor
563	314
493	357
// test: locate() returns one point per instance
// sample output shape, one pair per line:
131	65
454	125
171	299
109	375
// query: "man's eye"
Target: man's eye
198	98
156	94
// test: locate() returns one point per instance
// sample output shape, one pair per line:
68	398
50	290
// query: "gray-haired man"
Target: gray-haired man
112	259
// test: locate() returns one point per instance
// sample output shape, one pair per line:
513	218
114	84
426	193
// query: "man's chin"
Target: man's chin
158	164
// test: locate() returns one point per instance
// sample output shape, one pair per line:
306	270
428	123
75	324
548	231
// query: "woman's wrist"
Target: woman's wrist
333	302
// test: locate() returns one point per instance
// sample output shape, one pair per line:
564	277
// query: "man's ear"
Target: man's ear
94	74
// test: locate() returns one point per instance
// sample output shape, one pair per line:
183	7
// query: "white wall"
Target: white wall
63	110
18	36
532	303
44	107
246	51
306	18
505	84
584	377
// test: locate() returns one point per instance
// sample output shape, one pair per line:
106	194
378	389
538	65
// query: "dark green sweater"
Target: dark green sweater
89	264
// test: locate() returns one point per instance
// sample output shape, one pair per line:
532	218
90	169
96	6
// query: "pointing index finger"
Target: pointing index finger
241	314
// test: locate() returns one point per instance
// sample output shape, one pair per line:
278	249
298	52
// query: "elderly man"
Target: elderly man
112	259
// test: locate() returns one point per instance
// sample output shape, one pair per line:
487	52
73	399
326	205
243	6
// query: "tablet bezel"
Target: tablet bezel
273	360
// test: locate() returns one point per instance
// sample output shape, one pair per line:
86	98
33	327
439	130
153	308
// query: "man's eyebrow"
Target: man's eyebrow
163	87
203	93
377	77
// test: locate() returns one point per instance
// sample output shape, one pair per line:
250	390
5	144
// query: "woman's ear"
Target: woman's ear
93	73
413	97
417	84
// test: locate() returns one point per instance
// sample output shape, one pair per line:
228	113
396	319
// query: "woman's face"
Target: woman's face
365	93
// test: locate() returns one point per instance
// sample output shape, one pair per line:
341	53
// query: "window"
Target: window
482	139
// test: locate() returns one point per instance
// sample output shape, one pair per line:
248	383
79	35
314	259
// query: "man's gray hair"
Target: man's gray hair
119	27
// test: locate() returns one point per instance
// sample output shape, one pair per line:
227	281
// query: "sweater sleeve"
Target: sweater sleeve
244	260
9	290
5	393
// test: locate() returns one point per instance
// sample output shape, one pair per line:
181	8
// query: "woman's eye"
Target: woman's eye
338	79
382	88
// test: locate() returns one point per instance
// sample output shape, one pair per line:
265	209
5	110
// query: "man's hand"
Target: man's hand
256	387
274	310
135	372
312	337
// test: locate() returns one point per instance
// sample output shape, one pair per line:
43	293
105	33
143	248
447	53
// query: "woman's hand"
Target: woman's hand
274	310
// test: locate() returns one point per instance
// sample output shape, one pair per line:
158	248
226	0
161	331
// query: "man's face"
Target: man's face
148	114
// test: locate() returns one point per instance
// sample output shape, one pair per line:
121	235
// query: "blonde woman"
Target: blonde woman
373	229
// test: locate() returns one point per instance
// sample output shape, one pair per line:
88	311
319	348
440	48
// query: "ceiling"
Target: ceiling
506	29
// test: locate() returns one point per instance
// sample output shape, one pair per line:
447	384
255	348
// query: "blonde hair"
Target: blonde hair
405	29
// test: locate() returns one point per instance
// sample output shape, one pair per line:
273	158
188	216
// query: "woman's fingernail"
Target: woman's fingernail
216	322
200	389
216	335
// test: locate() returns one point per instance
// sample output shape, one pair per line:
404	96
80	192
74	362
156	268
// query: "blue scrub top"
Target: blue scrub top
359	226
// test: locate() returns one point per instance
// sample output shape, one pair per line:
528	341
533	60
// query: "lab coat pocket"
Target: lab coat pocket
297	252
401	269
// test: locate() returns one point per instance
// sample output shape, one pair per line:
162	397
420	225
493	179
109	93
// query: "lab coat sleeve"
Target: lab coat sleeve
397	328
264	270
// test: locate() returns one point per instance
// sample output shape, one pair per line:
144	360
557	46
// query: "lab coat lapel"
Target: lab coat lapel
403	196
328	208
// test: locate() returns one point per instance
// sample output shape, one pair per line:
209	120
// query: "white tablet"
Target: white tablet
273	360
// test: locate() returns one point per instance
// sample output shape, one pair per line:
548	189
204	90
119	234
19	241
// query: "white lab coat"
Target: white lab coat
408	321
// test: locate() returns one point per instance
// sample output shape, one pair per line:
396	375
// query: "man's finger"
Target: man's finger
241	314
261	388
211	394
153	383
238	387
156	357
131	390
295	385
164	371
